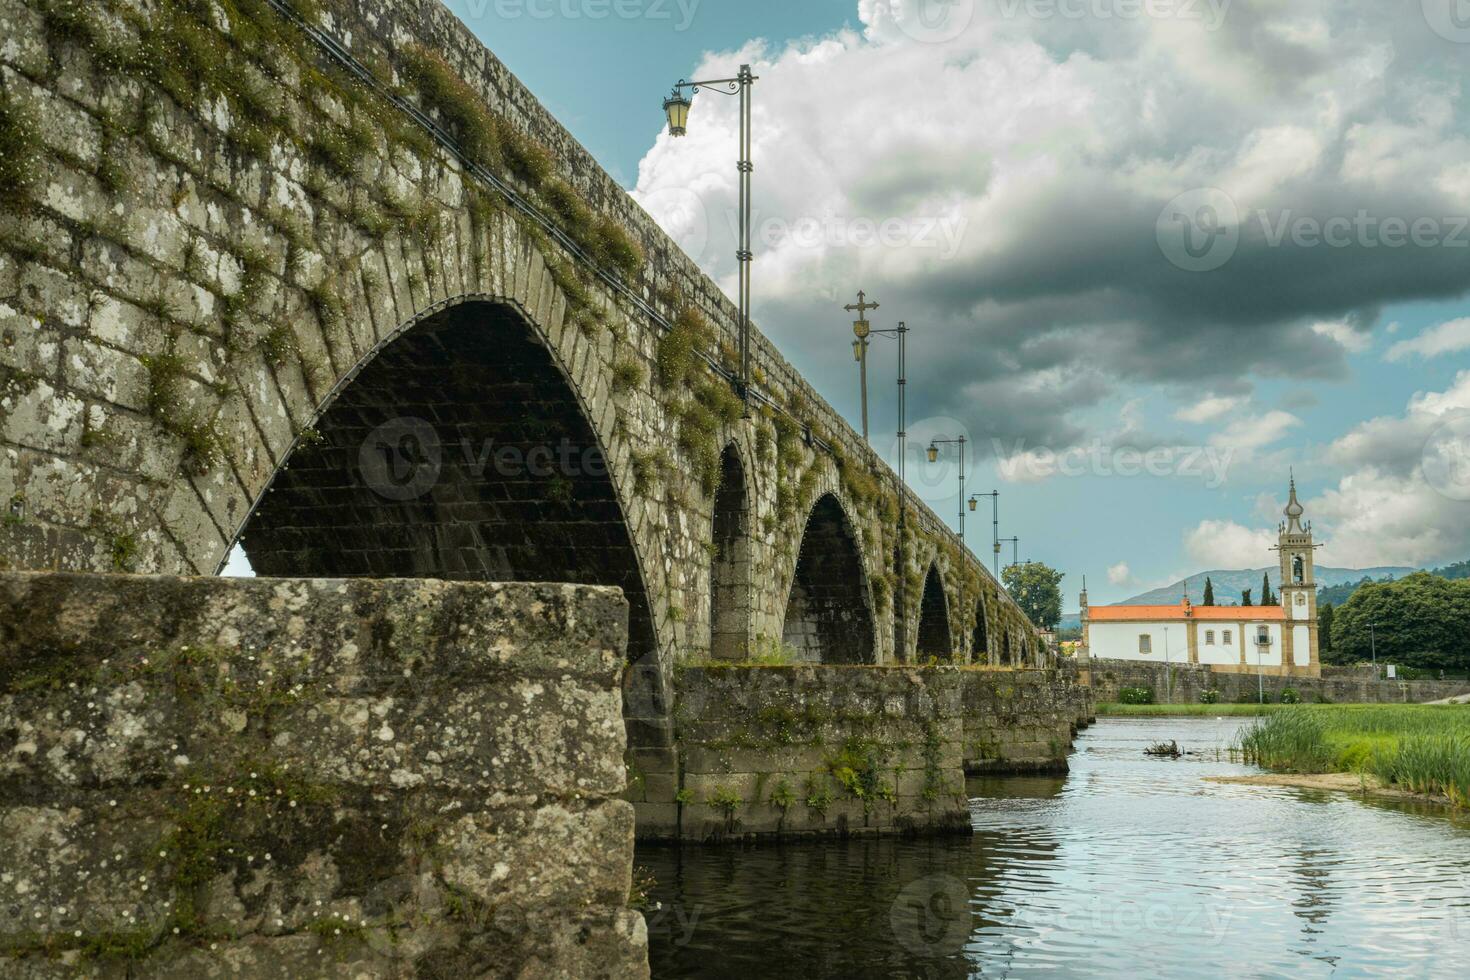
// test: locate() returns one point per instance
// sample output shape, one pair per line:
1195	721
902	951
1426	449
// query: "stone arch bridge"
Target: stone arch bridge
331	284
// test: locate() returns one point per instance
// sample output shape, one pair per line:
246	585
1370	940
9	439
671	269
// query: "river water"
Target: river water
1129	865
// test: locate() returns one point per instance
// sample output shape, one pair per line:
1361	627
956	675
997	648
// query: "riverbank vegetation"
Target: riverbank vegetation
1424	749
1114	709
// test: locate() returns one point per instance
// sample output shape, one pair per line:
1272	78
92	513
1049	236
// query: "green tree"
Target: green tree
1324	629
1209	592
1245	598
1267	599
1037	590
1418	620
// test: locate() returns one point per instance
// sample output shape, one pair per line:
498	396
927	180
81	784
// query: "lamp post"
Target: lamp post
1015	548
994	496
1168	670
933	453
1373	641
861	329
676	108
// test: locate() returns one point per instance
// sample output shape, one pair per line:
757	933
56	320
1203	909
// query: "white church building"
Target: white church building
1276	640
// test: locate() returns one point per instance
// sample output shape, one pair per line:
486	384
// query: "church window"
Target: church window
1224	636
1301	600
1145	643
1263	636
1209	638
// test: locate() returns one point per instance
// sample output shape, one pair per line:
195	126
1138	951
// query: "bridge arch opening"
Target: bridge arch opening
730	562
828	616
460	451
979	651
934	638
1005	653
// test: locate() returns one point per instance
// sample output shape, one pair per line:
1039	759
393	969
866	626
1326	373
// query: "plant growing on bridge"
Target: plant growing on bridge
19	142
726	800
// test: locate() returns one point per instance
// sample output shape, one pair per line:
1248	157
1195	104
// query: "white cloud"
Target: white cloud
1449	337
1208	409
1344	334
1395	443
1226	544
1119	574
1255	432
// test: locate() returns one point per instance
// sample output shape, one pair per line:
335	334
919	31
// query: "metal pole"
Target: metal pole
903	434
746	168
1168	671
995	532
962	491
863	382
1373	639
1260	680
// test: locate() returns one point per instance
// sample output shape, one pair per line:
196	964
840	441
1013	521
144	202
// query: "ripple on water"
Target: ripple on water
1129	865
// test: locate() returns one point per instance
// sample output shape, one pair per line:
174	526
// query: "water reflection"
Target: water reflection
1129	865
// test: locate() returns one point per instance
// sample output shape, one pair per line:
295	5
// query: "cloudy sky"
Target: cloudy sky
1153	252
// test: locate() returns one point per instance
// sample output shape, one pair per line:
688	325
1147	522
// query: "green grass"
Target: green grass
1420	748
1113	709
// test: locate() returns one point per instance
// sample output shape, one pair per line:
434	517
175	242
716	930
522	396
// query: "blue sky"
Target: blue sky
1058	317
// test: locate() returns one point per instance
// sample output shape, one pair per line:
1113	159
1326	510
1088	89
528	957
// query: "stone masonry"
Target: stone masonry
769	752
1337	685
289	778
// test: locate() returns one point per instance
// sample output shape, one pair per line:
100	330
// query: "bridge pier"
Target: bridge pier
289	777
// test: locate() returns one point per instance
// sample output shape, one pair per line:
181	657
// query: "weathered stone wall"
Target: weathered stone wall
1020	721
1336	685
834	750
292	778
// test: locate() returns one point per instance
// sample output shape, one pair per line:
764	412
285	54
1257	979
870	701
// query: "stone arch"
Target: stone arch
730	563
829	618
934	638
458	448
1005	651
979	649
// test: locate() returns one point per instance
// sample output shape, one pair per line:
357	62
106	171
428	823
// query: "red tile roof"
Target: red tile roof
1098	614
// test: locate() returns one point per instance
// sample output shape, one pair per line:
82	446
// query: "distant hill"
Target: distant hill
1230	583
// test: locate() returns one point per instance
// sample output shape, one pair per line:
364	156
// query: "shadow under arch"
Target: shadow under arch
730	563
828	617
934	639
979	649
458	450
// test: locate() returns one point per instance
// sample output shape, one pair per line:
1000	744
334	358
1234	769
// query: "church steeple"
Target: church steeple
1294	510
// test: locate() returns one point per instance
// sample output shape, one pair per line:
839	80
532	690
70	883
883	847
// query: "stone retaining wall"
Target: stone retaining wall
1337	685
292	778
846	750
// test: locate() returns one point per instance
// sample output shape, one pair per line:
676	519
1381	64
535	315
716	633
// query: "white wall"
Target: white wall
1271	655
1119	641
1221	652
1301	646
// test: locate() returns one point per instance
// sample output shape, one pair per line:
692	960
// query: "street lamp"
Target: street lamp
861	329
994	496
676	108
1015	548
933	453
1373	640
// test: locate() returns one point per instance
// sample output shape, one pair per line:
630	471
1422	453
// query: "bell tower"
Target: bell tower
1298	589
